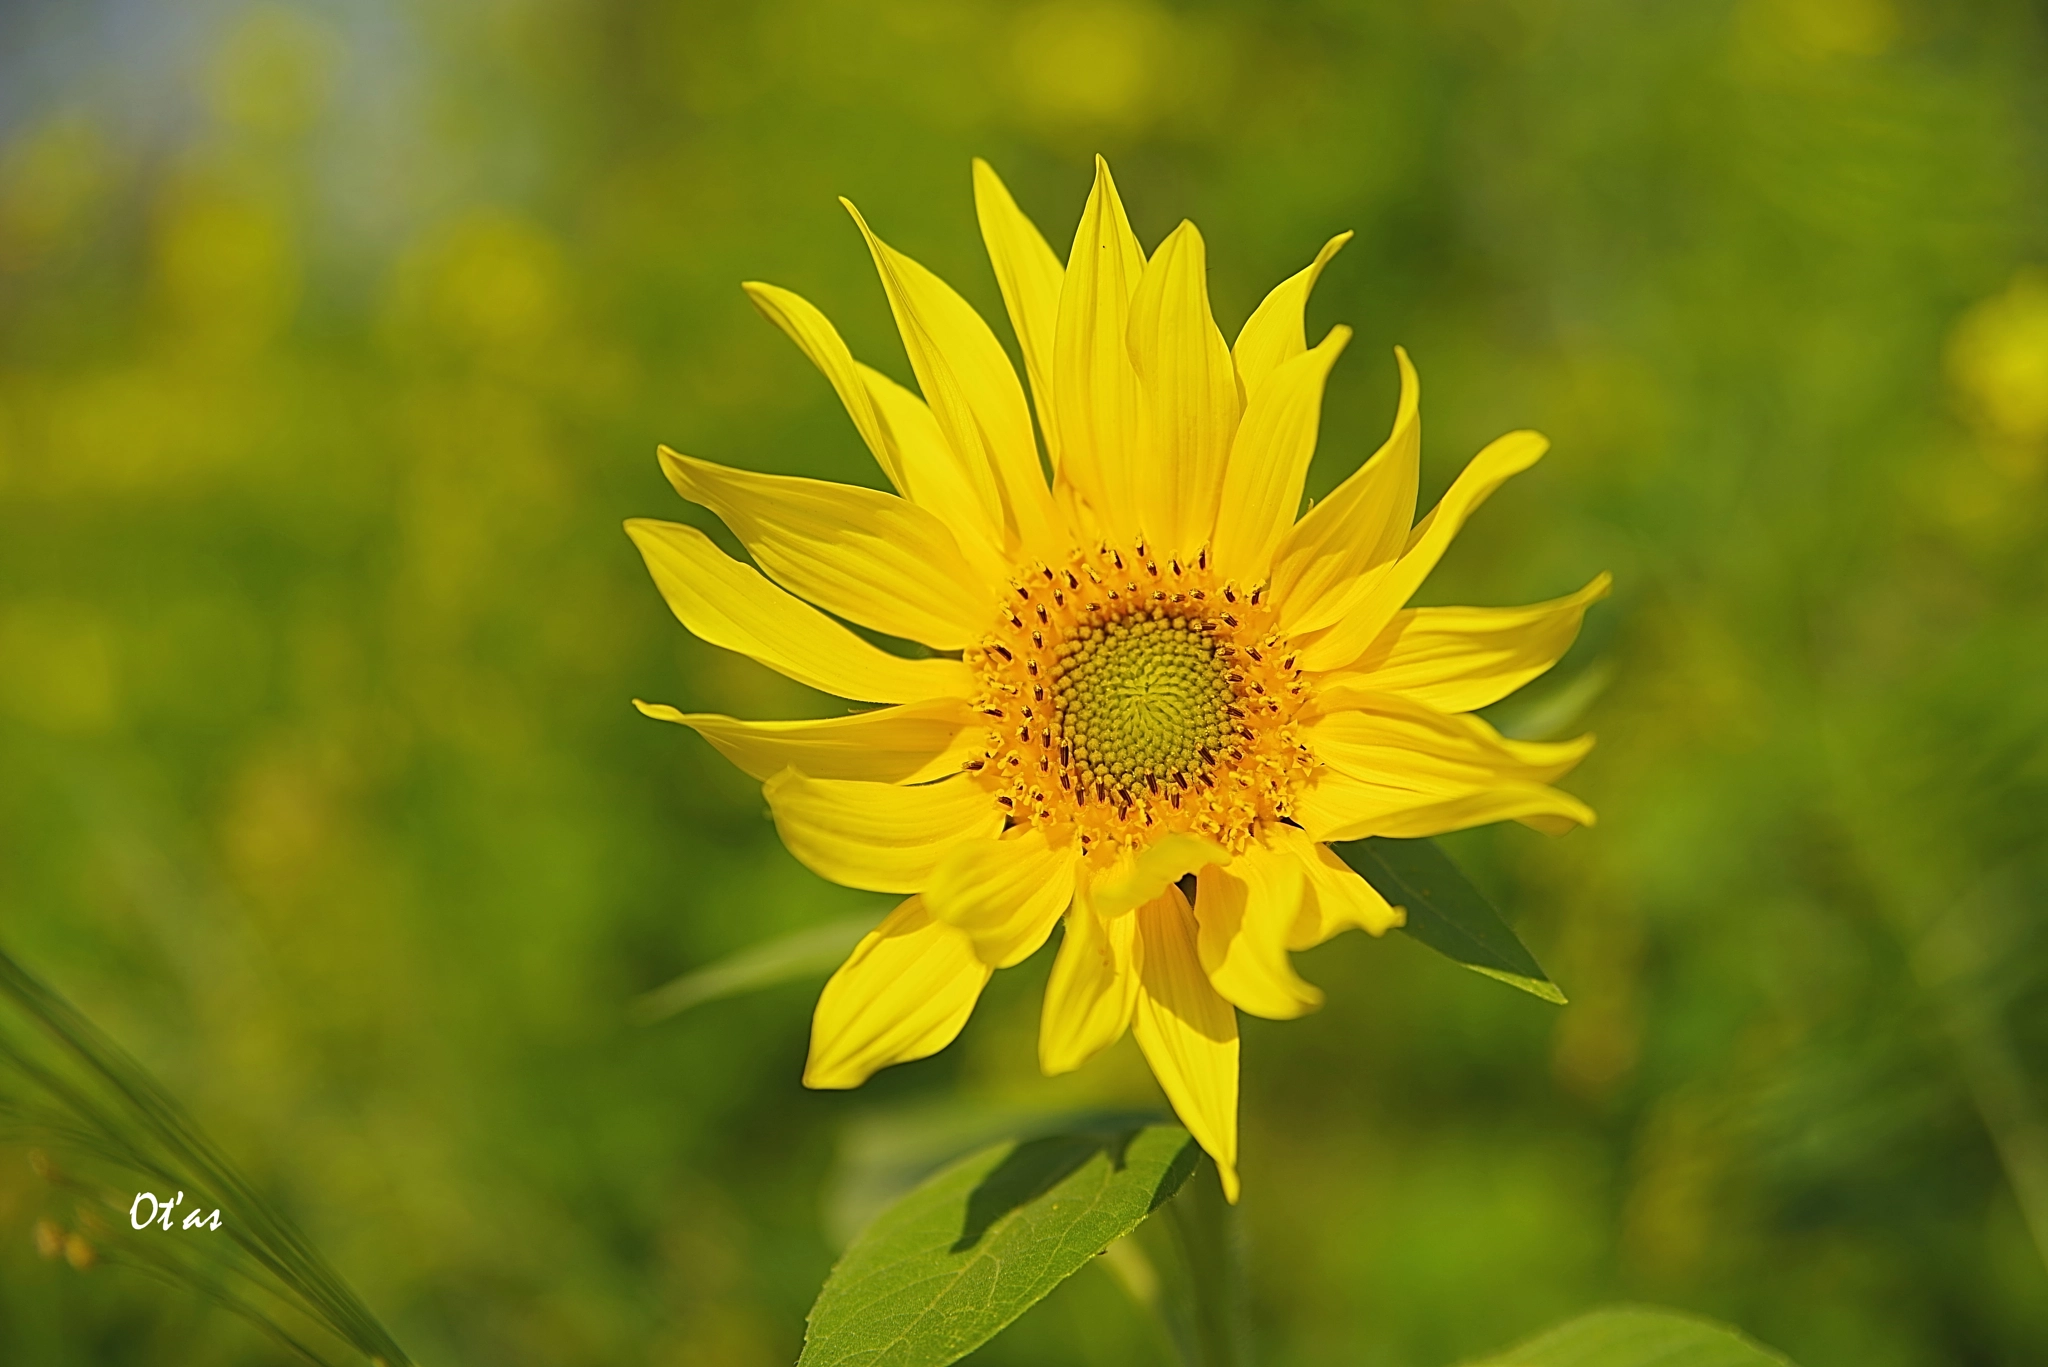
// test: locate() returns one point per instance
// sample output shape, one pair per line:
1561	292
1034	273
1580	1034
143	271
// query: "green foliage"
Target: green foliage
93	1108
1636	1336
1446	912
960	1257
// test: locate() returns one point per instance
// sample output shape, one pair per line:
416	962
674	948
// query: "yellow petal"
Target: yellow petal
903	994
814	334
1188	1032
1092	991
1029	275
1137	876
1392	739
1188	397
1006	893
1273	335
1373	604
908	744
1359	528
878	836
870	557
1458	659
1095	390
1337	899
1246	913
935	477
1269	460
1337	806
732	606
897	428
972	389
1392	766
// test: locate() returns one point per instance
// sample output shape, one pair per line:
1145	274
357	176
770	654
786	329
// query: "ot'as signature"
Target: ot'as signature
160	1213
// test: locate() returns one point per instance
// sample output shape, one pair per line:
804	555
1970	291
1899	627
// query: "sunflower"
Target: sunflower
1152	694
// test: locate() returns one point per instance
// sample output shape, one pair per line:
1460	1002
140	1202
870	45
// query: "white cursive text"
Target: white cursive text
160	1213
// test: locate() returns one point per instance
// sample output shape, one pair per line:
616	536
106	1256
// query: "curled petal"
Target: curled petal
1246	913
1336	898
1139	876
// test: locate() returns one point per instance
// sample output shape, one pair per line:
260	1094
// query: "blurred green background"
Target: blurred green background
335	341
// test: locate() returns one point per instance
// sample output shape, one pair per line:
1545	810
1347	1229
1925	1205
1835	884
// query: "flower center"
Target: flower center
1129	698
1141	699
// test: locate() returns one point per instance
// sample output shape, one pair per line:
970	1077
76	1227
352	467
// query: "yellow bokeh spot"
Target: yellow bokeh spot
1998	359
227	268
277	826
488	284
1821	29
274	72
1090	64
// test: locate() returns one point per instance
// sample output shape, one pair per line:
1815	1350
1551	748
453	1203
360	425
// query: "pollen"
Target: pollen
1149	711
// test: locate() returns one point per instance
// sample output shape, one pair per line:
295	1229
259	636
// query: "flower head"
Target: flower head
1145	669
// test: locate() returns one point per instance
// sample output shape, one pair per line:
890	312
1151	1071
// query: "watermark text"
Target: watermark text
162	1210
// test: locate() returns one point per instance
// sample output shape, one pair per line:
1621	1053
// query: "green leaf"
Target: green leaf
946	1267
1445	911
813	952
1638	1336
885	1151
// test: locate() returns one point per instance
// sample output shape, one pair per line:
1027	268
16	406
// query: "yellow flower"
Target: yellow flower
1145	669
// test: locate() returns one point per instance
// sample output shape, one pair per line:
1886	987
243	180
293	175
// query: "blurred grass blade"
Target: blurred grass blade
1446	912
808	953
103	1107
1193	1257
944	1269
1638	1336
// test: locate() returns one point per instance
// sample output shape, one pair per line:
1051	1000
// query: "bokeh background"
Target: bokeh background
335	341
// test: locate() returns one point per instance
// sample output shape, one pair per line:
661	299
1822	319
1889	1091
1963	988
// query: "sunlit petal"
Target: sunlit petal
903	994
732	606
